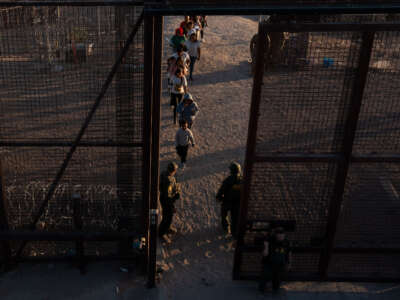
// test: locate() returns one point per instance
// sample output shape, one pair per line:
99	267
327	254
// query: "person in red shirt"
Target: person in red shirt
184	24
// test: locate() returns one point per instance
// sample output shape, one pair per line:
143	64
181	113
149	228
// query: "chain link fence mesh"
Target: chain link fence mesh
305	102
53	63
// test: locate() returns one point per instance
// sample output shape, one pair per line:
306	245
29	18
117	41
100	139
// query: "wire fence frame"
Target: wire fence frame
343	159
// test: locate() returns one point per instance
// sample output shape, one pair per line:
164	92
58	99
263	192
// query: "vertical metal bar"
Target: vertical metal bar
147	126
5	250
77	211
348	141
155	151
124	129
251	145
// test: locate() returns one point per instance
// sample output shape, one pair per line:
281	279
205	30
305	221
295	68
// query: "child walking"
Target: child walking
171	69
184	137
187	109
193	46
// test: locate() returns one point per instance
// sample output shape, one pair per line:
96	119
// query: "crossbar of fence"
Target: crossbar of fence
269	9
16	235
71	3
251	8
69	144
326	157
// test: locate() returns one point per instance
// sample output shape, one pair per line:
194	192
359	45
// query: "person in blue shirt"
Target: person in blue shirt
187	109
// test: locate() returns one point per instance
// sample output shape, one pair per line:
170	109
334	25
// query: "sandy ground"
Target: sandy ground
198	262
221	87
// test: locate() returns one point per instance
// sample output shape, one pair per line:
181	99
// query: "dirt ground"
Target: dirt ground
221	88
198	263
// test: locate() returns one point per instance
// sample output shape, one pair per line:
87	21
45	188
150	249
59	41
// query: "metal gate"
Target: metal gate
323	152
75	121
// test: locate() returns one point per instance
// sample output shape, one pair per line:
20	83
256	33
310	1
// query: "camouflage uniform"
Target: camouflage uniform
169	193
229	196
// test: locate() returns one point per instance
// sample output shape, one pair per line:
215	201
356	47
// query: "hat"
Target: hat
179	31
279	230
235	167
188	96
172	167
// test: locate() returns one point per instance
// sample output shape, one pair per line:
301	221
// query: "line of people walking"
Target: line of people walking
186	51
185	45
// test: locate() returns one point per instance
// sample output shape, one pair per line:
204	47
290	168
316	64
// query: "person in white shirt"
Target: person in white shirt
193	46
180	53
179	88
189	28
183	138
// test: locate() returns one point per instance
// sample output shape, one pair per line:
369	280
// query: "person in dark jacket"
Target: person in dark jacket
187	110
229	197
169	193
276	259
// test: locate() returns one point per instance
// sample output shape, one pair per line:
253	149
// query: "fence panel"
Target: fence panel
301	141
53	64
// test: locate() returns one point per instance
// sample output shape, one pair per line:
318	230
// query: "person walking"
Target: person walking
182	54
171	69
204	24
187	110
229	197
178	39
179	88
189	29
183	138
183	24
169	193
193	46
276	259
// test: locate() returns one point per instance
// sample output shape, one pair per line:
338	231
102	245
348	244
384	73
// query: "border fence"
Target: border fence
72	131
323	150
79	134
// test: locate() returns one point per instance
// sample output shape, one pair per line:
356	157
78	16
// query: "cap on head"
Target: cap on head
179	31
235	168
172	167
188	96
279	230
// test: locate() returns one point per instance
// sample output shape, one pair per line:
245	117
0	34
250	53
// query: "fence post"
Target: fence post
125	132
348	141
5	249
77	211
251	145
147	138
155	146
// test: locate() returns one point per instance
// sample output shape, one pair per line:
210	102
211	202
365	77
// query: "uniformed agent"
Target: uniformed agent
229	197
276	259
169	193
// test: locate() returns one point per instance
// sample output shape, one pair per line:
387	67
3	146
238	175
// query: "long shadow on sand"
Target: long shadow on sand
235	73
209	163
